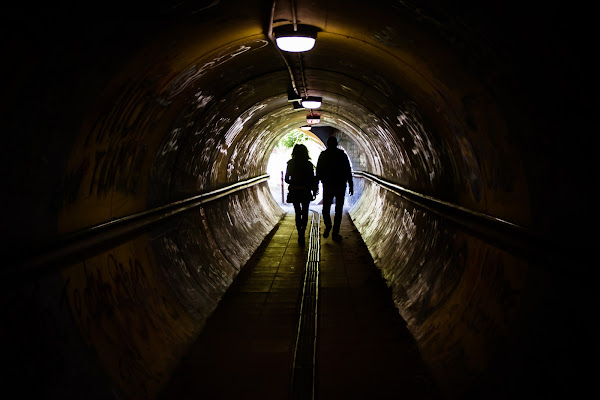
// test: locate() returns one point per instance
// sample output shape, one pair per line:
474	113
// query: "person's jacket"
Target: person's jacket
300	175
333	168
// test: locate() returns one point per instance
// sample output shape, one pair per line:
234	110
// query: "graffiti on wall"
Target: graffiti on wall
112	149
128	318
462	337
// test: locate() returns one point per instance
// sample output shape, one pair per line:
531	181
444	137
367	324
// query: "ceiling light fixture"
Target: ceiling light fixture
305	128
311	102
312	119
295	38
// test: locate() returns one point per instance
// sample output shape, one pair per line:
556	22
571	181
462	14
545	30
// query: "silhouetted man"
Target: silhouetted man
333	170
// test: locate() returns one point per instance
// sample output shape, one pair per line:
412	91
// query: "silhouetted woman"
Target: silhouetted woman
300	176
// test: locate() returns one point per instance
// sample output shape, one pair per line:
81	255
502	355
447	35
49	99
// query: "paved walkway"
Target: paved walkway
246	350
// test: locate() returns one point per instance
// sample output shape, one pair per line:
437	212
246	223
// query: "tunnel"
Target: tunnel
136	142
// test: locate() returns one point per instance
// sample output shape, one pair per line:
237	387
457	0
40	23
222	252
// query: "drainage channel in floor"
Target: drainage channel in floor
304	365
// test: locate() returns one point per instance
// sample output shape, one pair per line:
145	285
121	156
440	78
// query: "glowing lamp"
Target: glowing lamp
313	119
301	39
311	102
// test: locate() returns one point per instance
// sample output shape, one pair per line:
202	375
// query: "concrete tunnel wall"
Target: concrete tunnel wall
170	113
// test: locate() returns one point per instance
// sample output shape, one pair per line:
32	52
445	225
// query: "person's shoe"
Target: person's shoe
326	233
336	236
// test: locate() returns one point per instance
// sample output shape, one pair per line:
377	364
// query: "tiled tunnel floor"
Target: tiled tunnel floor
364	350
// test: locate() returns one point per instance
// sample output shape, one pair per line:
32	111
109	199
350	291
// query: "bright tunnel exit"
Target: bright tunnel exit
282	153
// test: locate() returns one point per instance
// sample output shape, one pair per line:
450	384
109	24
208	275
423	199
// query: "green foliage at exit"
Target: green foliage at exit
292	138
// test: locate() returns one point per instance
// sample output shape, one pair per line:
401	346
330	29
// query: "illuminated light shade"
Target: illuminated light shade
295	44
313	119
311	102
299	40
305	128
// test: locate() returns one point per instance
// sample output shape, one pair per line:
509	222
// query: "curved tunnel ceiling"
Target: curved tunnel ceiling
443	83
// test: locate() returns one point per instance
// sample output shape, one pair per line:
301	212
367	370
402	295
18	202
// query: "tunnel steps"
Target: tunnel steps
246	350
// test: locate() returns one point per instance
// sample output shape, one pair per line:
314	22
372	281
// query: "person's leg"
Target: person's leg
339	210
327	199
298	216
300	220
305	214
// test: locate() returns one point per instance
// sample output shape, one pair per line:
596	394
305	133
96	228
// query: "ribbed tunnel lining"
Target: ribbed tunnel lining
489	108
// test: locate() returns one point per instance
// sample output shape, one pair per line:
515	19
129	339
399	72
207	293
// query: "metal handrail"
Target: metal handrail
507	234
109	232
